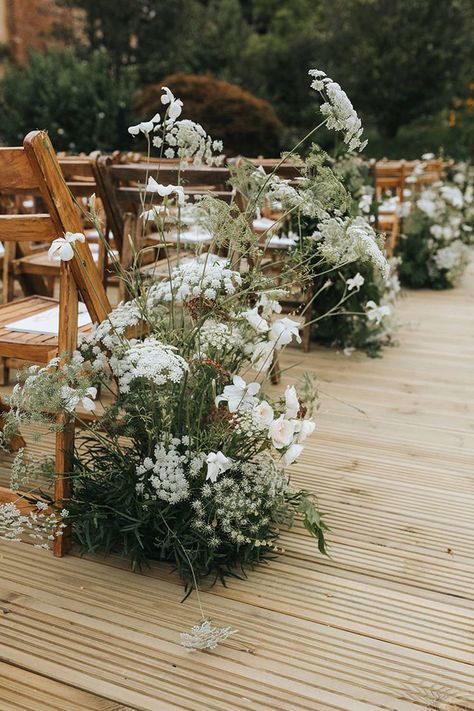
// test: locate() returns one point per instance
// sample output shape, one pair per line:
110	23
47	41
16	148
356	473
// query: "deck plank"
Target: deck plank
385	623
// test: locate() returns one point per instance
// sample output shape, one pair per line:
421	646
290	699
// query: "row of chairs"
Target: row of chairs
392	180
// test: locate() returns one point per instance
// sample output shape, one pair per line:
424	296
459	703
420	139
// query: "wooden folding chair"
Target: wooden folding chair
34	265
34	168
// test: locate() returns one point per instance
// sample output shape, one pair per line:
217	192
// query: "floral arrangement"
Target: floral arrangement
436	231
352	280
186	459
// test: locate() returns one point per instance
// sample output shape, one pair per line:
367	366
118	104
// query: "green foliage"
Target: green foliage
75	99
244	123
416	253
407	57
350	327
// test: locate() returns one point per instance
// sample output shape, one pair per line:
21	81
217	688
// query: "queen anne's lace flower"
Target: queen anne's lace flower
205	636
165	475
149	359
343	240
338	109
41	527
207	276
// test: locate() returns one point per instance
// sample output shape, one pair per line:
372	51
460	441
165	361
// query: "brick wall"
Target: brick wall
29	23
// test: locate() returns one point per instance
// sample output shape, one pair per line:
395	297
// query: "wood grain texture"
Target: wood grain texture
385	623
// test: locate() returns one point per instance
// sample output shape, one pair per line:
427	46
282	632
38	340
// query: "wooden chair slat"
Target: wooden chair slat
27	228
16	171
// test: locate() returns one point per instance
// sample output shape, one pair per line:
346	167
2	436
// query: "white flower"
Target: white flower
355	282
72	398
304	429
168	96
262	355
63	246
292	402
175	109
239	396
205	636
377	313
175	105
263	413
165	190
427	156
217	463
281	432
283	330
255	320
338	109
291	454
143	127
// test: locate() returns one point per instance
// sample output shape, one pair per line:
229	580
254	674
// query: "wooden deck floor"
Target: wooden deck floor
386	623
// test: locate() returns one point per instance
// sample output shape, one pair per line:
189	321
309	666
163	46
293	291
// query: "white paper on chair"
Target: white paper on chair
47	322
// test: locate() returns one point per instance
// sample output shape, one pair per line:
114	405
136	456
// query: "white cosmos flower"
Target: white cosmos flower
63	246
376	313
263	413
262	355
165	190
304	429
175	105
291	454
281	432
72	398
239	396
355	282
255	320
283	330
217	463
143	127
292	402
168	96
175	110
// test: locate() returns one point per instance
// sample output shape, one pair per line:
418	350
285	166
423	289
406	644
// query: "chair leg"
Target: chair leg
62	484
4	372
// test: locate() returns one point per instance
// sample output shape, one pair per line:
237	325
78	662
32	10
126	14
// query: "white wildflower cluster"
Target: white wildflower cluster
188	141
242	503
205	635
165	475
216	337
149	359
184	139
53	388
343	240
207	277
440	219
338	109
453	258
110	333
38	524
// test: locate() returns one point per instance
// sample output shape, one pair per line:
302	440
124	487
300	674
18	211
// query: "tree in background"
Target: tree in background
399	59
76	100
244	124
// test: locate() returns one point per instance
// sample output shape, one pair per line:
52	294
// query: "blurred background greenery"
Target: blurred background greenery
241	67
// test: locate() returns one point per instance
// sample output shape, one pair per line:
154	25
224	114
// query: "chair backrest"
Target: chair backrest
389	177
122	185
34	168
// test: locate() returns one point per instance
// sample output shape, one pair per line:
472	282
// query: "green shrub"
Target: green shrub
81	105
245	124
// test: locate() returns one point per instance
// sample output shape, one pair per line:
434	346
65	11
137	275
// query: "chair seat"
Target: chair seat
34	347
39	263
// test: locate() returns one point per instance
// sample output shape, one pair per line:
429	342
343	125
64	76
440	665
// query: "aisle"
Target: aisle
386	622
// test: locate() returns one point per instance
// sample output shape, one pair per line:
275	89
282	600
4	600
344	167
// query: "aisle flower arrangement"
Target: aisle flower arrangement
436	231
187	459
